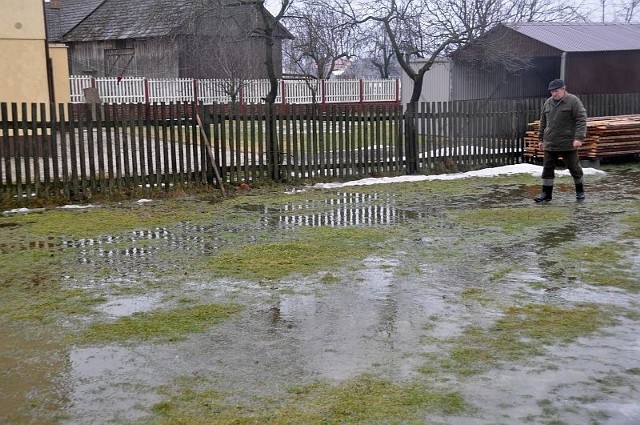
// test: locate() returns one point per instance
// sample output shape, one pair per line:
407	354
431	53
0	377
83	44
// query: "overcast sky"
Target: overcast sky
595	6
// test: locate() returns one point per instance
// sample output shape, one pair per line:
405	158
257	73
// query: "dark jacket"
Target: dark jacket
562	122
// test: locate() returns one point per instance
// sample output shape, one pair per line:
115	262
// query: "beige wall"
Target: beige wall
22	19
60	64
23	55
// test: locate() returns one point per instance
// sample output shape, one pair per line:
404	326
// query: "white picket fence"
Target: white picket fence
156	90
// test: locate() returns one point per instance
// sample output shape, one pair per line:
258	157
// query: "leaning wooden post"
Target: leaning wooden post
212	159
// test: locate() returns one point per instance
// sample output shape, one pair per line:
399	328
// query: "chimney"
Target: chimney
54	4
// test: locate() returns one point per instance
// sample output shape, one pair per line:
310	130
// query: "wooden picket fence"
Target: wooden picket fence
76	151
208	91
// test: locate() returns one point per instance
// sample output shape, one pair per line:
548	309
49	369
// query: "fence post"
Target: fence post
195	90
146	90
410	128
361	91
324	95
397	90
283	95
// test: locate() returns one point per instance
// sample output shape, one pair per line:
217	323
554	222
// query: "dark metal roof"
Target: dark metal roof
68	15
124	19
582	37
128	19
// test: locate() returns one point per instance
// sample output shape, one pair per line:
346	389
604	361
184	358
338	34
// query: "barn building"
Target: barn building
166	38
518	60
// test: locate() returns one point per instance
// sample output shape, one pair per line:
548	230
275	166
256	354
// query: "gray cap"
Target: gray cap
556	84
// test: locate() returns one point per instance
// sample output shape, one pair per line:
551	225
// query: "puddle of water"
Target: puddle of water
348	209
186	237
18	245
113	384
334	333
29	368
126	306
376	318
571	381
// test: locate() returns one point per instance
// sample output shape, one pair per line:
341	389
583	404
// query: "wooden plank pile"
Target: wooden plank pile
606	137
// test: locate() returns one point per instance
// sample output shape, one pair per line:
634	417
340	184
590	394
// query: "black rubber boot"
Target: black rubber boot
579	191
545	196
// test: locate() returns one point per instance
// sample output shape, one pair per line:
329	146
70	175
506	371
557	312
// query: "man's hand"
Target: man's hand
577	143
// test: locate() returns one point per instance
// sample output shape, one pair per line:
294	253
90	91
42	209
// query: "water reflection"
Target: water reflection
334	337
126	306
186	237
343	209
348	209
585	225
18	245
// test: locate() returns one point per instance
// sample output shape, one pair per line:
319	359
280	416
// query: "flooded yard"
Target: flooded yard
439	302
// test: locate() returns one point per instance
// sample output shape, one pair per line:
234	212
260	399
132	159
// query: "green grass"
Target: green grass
633	221
315	249
30	268
501	273
605	264
31	290
521	332
511	220
166	324
476	294
92	222
361	400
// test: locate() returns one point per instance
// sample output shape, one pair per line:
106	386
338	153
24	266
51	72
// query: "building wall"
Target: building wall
472	80
585	73
151	58
435	85
492	69
60	64
169	57
23	55
603	72
23	70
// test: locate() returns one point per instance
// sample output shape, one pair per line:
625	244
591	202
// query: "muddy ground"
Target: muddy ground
456	302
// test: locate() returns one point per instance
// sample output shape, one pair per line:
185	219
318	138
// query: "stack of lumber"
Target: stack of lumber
606	137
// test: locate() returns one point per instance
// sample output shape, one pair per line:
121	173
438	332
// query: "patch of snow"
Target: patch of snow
17	211
534	170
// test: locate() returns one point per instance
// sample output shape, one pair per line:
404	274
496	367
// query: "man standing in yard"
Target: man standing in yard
563	127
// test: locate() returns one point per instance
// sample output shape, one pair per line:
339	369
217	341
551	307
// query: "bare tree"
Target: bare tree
321	41
603	8
628	10
379	50
269	29
431	29
260	30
